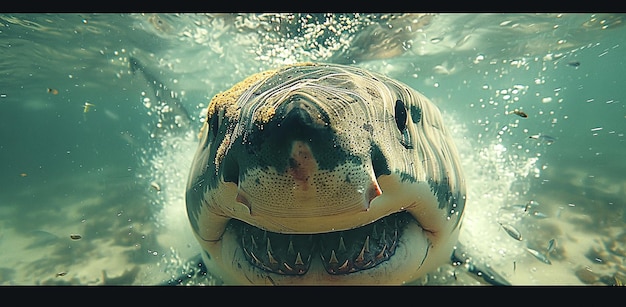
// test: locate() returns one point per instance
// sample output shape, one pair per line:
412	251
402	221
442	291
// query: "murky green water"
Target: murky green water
79	159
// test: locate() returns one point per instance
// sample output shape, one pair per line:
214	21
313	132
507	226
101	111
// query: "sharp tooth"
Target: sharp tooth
256	260
395	240
333	258
344	266
269	253
299	259
253	242
382	252
287	267
365	248
384	235
271	258
342	245
360	257
290	249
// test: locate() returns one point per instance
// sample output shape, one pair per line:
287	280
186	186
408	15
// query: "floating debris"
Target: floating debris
551	246
514	233
541	257
520	113
530	204
546	99
75	236
155	186
544	138
538	215
53	91
574	64
550	56
436	40
87	107
60	274
515	208
597	255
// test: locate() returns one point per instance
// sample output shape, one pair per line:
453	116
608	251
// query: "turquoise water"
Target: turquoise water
79	159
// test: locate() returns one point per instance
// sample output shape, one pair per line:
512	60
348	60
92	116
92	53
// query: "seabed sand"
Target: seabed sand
589	231
121	243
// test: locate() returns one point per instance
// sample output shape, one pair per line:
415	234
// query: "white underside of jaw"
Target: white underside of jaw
419	250
413	257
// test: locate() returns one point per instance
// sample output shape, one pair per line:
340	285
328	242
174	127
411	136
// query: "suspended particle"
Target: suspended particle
512	231
520	113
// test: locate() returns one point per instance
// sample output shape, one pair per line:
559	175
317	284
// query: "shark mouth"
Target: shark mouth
341	252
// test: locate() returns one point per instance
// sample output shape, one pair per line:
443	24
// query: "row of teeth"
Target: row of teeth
342	261
356	250
273	259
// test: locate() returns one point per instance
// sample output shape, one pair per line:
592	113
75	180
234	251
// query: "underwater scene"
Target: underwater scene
100	116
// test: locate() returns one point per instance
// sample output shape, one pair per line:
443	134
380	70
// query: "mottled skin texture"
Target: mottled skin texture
323	149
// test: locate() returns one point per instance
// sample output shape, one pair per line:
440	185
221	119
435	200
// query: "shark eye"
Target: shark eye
400	114
401	118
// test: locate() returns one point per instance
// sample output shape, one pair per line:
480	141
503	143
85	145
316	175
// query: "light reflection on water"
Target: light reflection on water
71	171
